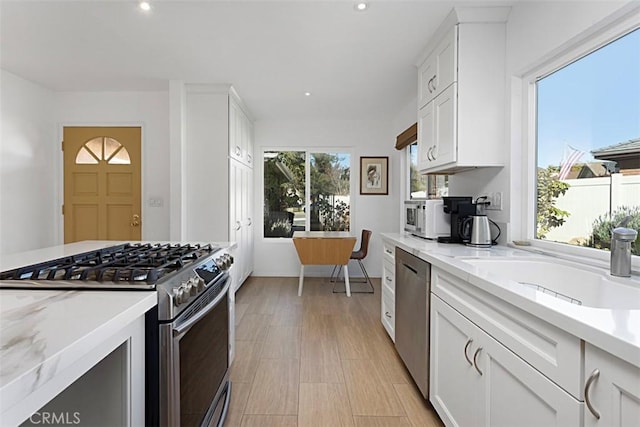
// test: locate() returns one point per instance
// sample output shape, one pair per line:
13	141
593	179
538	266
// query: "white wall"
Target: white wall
28	147
277	257
150	110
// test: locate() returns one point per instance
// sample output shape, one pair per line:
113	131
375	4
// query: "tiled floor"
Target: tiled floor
318	360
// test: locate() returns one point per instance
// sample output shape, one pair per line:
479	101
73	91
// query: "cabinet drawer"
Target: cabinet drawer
389	252
388	276
552	351
387	312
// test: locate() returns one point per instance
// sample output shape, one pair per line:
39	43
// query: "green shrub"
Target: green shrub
601	234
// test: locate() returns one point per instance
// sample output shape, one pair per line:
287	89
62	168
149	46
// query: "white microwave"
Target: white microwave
426	218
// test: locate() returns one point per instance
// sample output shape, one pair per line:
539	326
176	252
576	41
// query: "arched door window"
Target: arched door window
105	149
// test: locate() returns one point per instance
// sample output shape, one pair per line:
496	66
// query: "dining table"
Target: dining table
324	248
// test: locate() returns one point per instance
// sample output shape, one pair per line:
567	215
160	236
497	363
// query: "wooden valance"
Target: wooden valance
407	137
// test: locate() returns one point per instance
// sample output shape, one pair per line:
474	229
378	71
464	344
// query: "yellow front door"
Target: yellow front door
102	183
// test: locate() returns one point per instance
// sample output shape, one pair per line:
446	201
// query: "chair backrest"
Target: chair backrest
364	245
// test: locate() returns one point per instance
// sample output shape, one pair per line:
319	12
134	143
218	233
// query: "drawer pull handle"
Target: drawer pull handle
466	346
594	376
387	278
386	313
475	357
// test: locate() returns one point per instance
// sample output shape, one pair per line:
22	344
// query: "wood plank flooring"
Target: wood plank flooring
318	360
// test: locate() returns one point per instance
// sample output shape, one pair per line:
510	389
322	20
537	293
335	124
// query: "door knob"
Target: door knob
135	221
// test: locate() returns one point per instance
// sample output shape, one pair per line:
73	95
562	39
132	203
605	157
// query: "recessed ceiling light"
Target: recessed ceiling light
307	94
361	6
144	5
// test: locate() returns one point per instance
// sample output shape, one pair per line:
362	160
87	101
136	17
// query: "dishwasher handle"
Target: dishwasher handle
411	268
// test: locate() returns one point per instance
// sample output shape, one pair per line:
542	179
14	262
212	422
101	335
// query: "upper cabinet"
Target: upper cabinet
439	69
461	99
240	132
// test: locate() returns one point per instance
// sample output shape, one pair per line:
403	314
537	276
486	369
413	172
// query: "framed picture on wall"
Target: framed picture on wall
374	175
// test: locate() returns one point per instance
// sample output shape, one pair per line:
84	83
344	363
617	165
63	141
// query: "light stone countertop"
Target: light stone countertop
616	331
44	332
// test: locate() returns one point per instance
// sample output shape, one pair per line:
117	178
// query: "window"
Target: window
301	182
103	148
424	186
587	134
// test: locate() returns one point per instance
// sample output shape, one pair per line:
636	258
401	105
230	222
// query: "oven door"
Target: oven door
194	361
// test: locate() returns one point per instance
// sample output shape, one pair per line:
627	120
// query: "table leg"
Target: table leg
301	280
347	287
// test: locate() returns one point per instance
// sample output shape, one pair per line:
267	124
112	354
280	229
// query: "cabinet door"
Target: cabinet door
235	133
439	69
445	61
519	395
456	390
235	219
614	393
426	136
445	137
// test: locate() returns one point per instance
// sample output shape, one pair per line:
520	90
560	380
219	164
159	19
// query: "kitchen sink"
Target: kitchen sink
571	282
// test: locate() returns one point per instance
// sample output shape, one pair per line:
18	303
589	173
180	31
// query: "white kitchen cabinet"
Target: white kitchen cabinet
439	70
437	122
388	299
476	381
241	222
240	132
464	64
613	391
218	186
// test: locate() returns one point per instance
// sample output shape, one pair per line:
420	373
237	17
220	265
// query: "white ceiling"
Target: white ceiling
356	64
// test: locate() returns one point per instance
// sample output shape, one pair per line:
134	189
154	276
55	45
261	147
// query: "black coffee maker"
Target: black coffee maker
459	207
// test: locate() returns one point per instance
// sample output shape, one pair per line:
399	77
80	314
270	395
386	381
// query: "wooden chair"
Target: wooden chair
358	255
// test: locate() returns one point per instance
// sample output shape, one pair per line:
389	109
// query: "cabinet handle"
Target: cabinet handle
249	158
388	251
238	225
433	152
594	376
429	154
466	346
238	150
386	313
387	278
249	221
434	82
475	363
429	85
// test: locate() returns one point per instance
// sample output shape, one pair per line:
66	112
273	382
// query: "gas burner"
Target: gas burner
143	263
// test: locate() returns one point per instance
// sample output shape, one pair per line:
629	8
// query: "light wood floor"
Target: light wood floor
318	360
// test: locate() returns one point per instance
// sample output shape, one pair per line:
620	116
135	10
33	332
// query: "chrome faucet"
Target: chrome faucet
621	240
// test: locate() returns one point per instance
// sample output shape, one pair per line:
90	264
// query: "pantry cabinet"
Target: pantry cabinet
477	381
612	388
461	99
219	183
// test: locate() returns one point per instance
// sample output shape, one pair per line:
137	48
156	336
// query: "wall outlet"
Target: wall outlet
156	202
495	199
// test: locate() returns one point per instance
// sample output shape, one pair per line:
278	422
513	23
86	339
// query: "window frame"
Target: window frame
621	22
307	183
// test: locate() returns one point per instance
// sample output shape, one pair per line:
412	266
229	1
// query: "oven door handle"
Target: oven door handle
178	330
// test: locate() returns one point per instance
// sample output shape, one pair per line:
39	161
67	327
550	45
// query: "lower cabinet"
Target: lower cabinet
388	287
476	381
612	390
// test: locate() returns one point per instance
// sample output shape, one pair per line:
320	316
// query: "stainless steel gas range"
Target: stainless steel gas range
187	333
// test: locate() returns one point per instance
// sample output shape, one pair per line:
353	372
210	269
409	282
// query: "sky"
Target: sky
591	103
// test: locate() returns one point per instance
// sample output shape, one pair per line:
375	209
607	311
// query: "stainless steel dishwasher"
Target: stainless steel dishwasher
412	316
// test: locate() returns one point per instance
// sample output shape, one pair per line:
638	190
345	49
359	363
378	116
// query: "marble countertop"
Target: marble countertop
617	331
44	332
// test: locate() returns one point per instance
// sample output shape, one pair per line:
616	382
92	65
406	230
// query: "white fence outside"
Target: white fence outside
587	199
